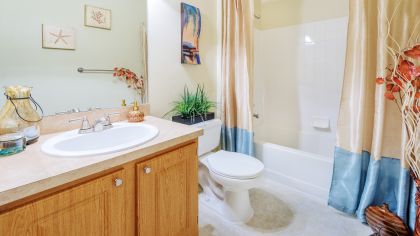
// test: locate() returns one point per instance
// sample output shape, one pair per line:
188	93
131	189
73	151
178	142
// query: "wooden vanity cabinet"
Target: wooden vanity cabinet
154	197
94	208
167	193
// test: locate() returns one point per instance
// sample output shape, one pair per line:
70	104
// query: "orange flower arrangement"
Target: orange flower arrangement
402	86
402	83
131	79
403	79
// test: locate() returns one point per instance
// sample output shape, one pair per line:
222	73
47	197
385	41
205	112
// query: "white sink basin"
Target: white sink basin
122	136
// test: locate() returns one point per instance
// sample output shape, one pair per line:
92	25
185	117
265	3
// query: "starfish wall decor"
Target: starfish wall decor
58	37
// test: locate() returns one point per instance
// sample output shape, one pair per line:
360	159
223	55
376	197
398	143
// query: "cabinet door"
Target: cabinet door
167	197
93	208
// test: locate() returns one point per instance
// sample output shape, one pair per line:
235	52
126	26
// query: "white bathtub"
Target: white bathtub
307	172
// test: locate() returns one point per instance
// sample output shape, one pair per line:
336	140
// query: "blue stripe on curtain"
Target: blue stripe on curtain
360	181
237	140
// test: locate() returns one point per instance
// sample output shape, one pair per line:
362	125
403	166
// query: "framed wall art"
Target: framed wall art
191	30
56	37
97	17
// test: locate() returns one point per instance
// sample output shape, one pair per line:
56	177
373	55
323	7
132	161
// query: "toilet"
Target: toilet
226	177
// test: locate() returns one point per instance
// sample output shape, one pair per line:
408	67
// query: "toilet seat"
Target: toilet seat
234	165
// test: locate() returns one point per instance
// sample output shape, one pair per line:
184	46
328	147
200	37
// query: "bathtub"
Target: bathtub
307	172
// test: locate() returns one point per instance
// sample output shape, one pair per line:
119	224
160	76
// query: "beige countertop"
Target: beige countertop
32	171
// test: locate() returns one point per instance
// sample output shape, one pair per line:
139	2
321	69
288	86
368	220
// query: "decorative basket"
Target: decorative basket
384	223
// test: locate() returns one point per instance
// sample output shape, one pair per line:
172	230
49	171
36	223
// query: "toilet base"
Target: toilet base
238	206
228	210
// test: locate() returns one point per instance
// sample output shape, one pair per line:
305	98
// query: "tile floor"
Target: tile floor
281	210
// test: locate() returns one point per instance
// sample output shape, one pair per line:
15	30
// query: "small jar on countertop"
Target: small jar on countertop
12	143
135	115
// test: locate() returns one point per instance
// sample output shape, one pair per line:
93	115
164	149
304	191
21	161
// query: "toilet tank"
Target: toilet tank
211	137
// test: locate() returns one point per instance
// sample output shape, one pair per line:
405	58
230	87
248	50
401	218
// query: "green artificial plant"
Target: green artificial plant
192	104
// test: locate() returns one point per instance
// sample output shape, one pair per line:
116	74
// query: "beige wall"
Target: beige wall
167	76
280	13
52	73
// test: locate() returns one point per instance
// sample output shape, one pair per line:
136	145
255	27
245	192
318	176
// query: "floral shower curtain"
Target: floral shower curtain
368	169
237	71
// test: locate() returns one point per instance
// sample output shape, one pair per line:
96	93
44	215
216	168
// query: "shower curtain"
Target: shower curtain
368	169
237	71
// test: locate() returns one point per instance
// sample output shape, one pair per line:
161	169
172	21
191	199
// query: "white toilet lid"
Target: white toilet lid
234	165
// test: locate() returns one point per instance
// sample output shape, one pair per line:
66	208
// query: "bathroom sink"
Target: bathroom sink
122	136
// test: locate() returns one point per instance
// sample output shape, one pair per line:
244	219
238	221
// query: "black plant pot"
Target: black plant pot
193	120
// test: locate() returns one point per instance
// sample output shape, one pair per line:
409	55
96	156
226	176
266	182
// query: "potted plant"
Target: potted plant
193	107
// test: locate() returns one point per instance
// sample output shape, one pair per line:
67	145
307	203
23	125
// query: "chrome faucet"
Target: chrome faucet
86	127
100	124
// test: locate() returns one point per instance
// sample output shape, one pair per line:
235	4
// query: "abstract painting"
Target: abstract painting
56	37
97	17
191	30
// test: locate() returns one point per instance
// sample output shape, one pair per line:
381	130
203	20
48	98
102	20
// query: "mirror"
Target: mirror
44	42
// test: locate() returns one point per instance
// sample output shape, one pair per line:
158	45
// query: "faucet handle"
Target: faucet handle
85	124
107	117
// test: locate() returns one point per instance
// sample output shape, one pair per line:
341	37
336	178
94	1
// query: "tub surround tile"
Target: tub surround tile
283	59
32	171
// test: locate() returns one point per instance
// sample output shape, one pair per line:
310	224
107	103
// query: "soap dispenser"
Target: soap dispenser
135	115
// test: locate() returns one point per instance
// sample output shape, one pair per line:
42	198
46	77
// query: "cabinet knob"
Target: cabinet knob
147	170
118	182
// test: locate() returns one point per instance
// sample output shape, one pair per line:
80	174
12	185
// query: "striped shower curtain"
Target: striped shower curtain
237	71
368	169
